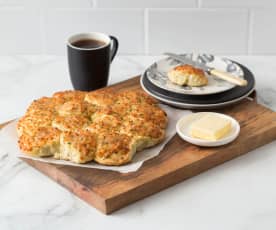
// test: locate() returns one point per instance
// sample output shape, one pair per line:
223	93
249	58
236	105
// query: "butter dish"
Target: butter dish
184	125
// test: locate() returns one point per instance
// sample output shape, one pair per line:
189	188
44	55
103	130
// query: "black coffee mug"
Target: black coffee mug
89	58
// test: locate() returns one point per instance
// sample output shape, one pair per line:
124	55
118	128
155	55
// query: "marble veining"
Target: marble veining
267	97
239	194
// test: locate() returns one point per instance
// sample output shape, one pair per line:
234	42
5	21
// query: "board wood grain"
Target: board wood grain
109	191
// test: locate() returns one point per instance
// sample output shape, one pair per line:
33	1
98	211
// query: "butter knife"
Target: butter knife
212	71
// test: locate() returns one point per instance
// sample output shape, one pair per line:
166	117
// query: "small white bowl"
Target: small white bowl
184	123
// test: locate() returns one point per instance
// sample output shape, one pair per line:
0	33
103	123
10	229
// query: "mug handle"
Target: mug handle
114	46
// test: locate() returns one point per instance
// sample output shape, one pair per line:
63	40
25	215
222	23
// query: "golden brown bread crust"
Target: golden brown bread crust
114	148
77	146
104	126
43	142
187	75
69	95
189	70
103	97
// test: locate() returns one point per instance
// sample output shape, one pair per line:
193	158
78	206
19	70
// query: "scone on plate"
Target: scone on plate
187	75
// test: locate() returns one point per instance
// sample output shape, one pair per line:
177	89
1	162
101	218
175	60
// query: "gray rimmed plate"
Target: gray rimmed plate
210	101
157	74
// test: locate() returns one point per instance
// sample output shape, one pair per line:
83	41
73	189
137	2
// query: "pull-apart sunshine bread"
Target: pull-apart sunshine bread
103	126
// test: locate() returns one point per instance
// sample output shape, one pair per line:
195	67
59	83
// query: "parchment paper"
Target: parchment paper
8	143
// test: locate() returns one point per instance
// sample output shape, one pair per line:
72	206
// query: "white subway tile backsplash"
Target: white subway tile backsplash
214	31
64	3
48	3
8	2
20	32
59	25
126	25
263	35
238	3
144	26
146	3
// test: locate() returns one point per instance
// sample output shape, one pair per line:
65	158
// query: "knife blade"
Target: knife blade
212	71
189	62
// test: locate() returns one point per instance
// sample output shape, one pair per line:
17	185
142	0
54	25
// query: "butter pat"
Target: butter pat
210	127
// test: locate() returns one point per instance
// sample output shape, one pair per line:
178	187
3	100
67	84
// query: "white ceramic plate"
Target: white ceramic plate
191	105
157	74
184	123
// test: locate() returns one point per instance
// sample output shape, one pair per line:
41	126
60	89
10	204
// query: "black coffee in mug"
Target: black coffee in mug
88	43
89	58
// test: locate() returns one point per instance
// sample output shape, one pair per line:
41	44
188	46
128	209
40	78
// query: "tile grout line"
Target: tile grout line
199	9
94	4
146	31
249	31
199	4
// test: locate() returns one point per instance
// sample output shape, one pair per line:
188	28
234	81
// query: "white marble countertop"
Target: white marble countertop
239	194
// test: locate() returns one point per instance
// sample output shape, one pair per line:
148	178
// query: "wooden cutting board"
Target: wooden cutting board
109	191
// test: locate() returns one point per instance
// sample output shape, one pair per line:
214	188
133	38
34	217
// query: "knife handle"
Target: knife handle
228	77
